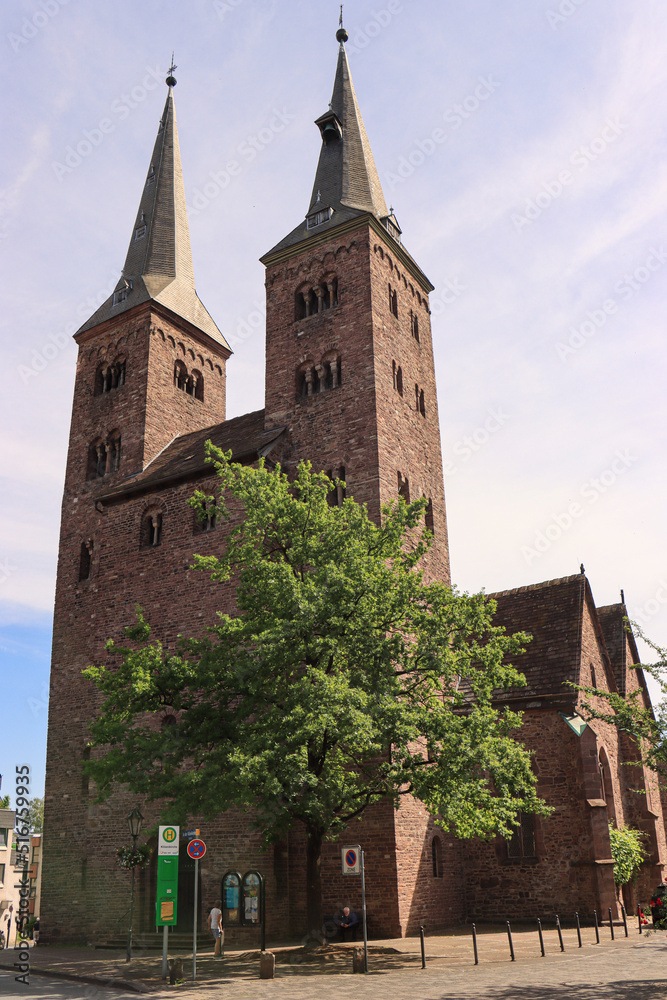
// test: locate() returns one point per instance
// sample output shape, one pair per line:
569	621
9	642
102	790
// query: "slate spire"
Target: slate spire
158	265
347	183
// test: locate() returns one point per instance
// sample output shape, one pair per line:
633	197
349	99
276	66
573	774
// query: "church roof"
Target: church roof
158	265
551	612
347	183
618	640
185	456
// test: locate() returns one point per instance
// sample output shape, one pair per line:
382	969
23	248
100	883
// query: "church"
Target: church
350	385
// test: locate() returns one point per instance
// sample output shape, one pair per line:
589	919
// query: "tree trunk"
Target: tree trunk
314	883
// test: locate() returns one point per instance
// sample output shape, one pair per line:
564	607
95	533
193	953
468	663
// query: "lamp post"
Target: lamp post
134	821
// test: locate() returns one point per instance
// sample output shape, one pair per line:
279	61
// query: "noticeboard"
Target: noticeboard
231	899
252	898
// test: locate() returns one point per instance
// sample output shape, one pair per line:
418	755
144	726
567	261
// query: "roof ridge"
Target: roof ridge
537	586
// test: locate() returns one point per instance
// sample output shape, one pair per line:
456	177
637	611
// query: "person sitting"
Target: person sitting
348	924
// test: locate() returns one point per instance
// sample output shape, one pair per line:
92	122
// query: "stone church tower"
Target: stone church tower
350	385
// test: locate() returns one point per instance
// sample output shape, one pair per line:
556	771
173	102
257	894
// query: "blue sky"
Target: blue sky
522	146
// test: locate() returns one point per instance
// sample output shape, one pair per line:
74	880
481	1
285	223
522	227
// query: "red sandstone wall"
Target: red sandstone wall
363	425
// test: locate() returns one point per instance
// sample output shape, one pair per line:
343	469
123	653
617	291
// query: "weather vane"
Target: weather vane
171	79
340	19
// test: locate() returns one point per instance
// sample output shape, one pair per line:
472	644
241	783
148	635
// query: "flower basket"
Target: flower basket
133	857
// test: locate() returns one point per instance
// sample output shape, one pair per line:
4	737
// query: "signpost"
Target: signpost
353	864
196	850
166	906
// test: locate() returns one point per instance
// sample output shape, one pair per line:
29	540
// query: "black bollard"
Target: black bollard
625	919
639	918
474	944
539	931
597	929
509	937
578	929
611	924
560	933
421	937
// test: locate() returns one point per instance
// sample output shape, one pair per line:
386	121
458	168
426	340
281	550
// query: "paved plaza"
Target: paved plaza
624	969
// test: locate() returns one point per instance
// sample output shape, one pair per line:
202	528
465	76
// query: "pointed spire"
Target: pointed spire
158	265
347	183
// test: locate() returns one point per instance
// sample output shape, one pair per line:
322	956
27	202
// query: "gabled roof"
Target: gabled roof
158	265
617	640
185	458
552	613
346	180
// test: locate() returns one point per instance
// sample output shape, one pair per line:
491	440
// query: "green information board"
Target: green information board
166	909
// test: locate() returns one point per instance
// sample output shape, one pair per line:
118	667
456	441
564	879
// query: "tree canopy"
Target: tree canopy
340	679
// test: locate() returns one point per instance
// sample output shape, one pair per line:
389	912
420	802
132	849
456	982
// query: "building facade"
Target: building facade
350	385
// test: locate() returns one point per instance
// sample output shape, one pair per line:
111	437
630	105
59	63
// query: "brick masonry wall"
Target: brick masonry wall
363	424
333	428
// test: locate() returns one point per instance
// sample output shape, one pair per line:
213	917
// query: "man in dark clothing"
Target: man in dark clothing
348	924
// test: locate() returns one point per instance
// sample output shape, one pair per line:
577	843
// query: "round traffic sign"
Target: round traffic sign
197	849
169	834
351	858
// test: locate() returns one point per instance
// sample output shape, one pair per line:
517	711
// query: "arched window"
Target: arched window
422	407
404	488
428	516
606	784
109	376
314	299
86	559
180	376
198	379
306	381
393	302
522	842
103	457
151	529
337	494
414	325
399	380
206	520
436	857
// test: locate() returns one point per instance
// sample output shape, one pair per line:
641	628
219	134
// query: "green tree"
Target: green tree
4	801
341	680
627	852
36	815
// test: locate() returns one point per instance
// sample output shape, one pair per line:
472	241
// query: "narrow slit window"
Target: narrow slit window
86	560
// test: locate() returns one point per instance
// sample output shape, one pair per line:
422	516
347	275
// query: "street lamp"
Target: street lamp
134	821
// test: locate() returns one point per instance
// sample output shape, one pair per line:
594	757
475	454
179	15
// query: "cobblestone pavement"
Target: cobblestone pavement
625	969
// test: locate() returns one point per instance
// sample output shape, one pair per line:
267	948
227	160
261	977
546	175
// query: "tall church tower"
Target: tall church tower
151	338
349	354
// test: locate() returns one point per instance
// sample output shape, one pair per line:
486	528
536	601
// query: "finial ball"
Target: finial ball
171	81
342	35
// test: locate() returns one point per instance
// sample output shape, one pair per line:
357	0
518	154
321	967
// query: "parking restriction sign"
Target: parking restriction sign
351	857
196	849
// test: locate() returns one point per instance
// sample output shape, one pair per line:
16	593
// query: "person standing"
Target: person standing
215	924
